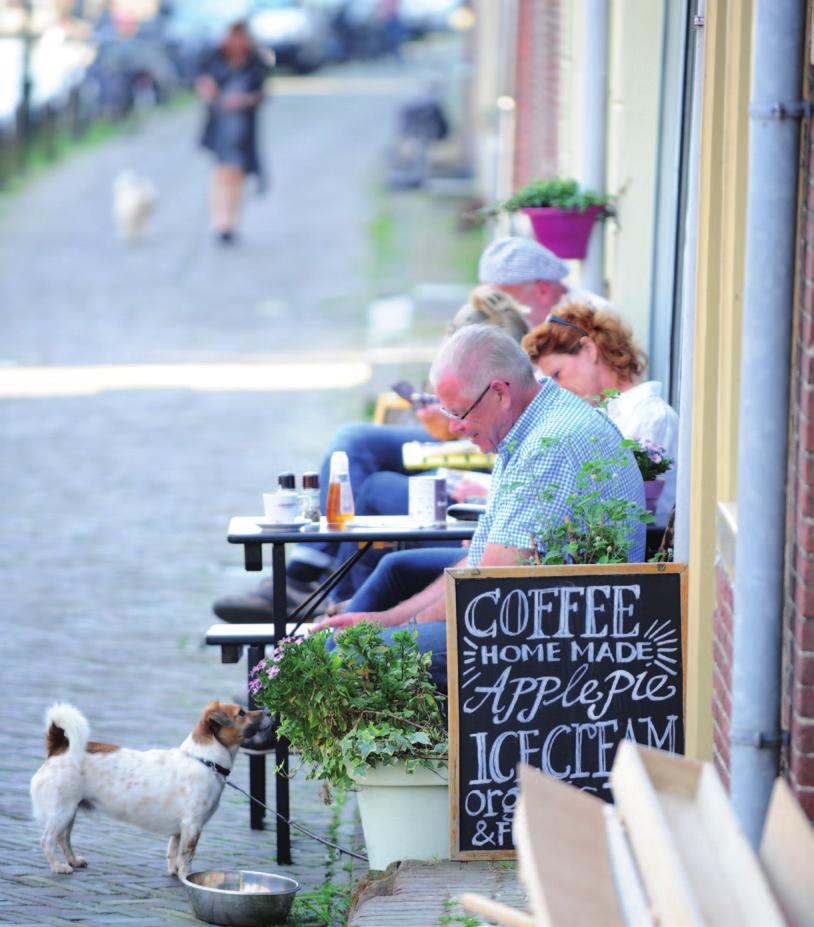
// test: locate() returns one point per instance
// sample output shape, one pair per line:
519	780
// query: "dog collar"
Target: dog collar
221	770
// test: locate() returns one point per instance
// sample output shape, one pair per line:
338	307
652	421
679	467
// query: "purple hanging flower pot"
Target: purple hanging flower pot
563	231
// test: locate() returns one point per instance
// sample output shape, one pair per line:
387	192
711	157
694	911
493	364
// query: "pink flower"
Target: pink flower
259	667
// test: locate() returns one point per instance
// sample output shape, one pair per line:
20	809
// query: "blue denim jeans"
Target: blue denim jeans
400	575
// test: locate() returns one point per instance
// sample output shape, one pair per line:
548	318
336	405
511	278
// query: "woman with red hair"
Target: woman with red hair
590	351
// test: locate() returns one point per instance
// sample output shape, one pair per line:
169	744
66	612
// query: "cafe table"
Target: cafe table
394	530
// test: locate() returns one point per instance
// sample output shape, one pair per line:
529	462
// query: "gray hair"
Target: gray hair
492	307
480	354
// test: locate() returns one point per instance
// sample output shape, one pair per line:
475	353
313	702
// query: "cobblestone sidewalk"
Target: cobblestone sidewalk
115	503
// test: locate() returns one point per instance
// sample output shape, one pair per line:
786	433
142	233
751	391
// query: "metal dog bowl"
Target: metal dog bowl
238	898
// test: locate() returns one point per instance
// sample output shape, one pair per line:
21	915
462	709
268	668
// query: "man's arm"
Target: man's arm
430	601
497	555
429	604
493	555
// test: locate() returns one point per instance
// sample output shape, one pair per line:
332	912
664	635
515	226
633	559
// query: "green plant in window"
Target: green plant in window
557	193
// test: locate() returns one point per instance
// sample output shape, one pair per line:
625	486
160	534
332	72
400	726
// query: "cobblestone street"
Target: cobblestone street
116	500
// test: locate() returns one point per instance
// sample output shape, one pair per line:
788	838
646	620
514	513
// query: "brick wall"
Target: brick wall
722	671
798	631
537	89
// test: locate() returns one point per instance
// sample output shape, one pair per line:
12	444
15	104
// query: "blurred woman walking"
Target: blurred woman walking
231	84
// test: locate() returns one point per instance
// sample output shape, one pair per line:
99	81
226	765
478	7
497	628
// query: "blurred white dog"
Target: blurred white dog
134	201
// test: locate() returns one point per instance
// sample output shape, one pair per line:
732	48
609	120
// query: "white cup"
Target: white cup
427	497
281	506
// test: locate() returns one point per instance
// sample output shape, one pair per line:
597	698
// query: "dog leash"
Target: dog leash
299	827
223	771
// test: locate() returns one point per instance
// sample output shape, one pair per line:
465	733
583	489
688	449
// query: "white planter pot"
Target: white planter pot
404	815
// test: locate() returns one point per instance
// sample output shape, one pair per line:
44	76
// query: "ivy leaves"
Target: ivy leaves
366	703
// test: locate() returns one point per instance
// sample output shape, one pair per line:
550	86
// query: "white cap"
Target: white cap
508	261
339	463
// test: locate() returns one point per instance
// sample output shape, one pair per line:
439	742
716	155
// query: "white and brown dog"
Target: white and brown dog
172	792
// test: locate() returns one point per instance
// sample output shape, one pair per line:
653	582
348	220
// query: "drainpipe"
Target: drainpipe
774	131
506	126
594	132
681	544
506	111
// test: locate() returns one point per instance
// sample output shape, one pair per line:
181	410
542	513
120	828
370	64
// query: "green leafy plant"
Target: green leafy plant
559	193
651	458
598	527
365	703
328	905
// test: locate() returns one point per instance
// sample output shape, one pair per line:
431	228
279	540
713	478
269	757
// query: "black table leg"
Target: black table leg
253	556
281	776
303	611
257	764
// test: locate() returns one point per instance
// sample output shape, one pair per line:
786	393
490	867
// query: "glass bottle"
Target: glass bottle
339	506
288	502
309	497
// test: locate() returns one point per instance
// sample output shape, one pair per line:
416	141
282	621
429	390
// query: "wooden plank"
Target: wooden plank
787	854
495	911
684	580
650	836
453	695
633	900
452	714
567	570
750	896
564	856
697	865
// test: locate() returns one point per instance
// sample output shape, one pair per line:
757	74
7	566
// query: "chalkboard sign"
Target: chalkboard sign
554	666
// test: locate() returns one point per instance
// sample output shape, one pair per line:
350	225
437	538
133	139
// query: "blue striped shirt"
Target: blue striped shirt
554	436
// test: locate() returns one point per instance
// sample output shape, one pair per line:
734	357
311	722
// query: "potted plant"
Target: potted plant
367	714
597	529
562	215
653	461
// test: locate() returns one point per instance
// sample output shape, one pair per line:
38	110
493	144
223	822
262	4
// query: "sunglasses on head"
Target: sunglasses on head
559	320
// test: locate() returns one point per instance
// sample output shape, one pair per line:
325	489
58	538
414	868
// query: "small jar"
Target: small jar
288	502
309	497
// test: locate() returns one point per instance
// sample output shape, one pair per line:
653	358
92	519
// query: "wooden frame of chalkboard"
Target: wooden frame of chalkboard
606	645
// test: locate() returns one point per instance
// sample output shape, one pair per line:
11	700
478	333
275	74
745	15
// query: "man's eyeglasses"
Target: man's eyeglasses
463	415
559	320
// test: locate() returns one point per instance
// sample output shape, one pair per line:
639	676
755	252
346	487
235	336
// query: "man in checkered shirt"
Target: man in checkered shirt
542	435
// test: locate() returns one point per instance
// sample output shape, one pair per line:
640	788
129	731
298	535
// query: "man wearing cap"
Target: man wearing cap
532	275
